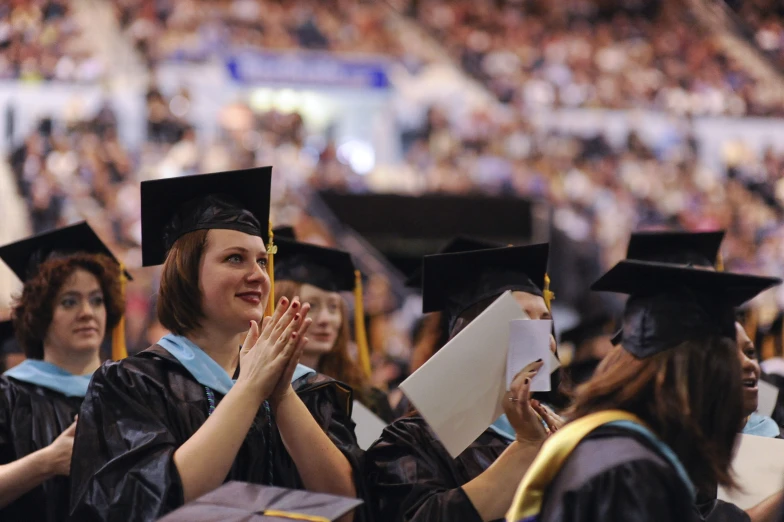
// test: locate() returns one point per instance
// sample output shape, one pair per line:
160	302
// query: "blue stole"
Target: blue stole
761	426
47	375
203	368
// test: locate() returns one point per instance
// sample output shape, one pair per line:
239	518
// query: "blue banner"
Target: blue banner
313	69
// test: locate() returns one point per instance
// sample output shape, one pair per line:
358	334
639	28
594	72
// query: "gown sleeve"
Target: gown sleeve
7	452
122	465
330	403
639	490
410	479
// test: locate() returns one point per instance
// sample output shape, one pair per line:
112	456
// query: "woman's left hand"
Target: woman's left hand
284	388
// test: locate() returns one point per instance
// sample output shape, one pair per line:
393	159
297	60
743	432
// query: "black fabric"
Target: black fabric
454	282
412	478
671	304
642	487
689	248
210	212
237	200
326	268
714	510
138	411
31	418
24	257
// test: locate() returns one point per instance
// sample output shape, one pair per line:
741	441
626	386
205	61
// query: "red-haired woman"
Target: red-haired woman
71	297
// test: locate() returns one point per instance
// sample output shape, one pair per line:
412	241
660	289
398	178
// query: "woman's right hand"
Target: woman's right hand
60	450
532	422
268	349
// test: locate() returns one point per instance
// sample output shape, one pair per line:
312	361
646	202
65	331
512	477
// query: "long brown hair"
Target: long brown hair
338	363
689	395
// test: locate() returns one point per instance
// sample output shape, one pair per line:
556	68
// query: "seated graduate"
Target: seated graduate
410	474
212	401
318	275
660	417
72	295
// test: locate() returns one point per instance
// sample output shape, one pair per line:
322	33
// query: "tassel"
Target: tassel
272	249
719	262
548	295
119	350
360	335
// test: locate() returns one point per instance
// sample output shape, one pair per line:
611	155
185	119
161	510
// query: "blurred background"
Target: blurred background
393	125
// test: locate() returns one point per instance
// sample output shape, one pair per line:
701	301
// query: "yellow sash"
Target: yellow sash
530	494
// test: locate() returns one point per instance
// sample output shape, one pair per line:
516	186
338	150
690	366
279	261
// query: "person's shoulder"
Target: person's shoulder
314	386
150	367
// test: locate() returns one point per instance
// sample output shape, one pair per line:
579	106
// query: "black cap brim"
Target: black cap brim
326	268
162	198
447	274
634	277
675	246
23	257
456	244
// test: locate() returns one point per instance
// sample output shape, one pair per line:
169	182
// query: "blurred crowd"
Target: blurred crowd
198	30
578	53
39	40
527	55
765	19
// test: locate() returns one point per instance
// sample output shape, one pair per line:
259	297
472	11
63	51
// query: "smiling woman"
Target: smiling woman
71	295
212	401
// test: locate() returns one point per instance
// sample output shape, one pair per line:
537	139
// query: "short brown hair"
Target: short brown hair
179	296
689	395
34	308
337	364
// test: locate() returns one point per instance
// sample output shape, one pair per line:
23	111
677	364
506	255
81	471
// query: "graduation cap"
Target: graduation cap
25	257
454	282
326	268
237	200
329	269
456	244
688	248
670	304
243	502
284	232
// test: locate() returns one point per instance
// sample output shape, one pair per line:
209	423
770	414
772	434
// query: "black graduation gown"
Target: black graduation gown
412	478
615	475
31	418
138	411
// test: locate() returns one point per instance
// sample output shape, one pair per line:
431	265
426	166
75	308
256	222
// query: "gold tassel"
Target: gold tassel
549	297
360	335
719	262
272	249
119	350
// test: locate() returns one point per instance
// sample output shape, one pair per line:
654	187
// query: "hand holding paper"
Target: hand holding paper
529	341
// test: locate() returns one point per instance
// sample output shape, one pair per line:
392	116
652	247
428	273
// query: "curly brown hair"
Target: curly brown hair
34	308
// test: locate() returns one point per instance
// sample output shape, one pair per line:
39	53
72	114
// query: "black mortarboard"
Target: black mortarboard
25	256
284	232
695	248
671	304
327	268
456	244
454	282
237	200
243	502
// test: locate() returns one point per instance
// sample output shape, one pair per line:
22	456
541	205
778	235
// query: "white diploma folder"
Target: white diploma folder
759	469
460	390
368	425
